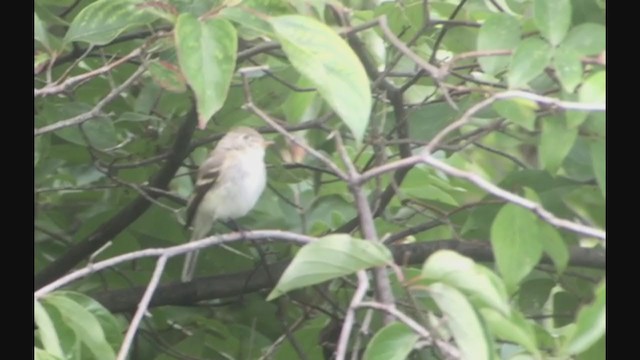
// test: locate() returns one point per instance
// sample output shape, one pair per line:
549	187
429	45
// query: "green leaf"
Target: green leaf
48	334
597	351
463	322
594	89
207	56
194	345
419	183
44	355
47	15
101	22
407	17
499	32
100	131
167	75
599	158
162	10
318	53
460	39
66	335
426	121
85	325
556	141
393	342
564	304
529	60
534	294
590	324
596	125
516	244
586	39
588	202
514	329
301	105
40	32
568	67
306	340
40	60
553	19
328	258
464	274
423	183
521	112
113	330
575	118
554	246
248	19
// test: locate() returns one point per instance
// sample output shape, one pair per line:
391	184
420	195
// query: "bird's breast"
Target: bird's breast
242	187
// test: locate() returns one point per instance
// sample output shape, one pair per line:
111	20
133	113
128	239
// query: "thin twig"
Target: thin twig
61	238
513	198
436	73
383	286
450	351
502	153
432	70
174	251
474	54
349	319
250	106
442	33
79	119
142	308
274	346
426	158
466	117
55	89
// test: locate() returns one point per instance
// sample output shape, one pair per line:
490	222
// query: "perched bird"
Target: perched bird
229	184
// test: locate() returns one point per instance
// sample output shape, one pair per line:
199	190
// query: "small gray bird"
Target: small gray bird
229	185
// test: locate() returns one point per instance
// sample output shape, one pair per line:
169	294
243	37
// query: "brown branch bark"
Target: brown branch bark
240	283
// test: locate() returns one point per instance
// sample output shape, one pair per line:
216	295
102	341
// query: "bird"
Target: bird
229	183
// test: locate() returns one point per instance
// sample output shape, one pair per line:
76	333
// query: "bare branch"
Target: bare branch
432	70
112	227
142	308
79	119
466	117
381	278
449	350
261	114
426	158
175	250
513	198
228	285
349	319
55	89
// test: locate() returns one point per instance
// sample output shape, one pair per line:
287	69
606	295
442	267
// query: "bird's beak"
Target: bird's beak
266	143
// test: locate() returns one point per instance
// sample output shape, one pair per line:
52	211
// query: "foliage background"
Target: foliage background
391	122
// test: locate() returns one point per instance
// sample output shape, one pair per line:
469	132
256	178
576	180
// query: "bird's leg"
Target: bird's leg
234	226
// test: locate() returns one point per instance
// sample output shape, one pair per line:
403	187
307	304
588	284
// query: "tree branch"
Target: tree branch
449	351
127	215
79	119
349	319
142	308
241	283
513	198
70	82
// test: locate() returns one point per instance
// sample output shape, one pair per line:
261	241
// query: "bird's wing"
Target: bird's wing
208	174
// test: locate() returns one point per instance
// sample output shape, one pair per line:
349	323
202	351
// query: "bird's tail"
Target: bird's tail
191	259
